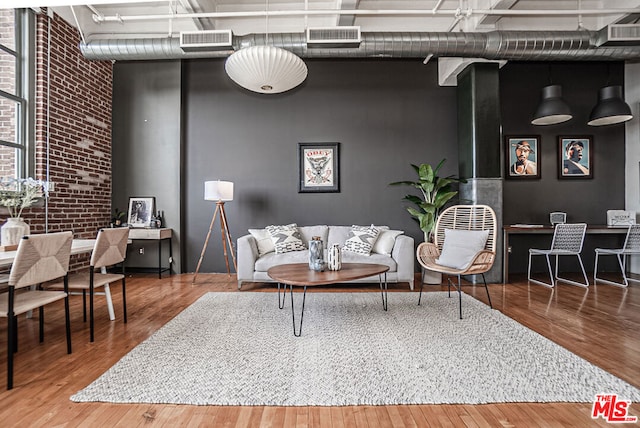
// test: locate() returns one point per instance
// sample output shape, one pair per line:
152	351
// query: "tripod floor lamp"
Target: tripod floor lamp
221	192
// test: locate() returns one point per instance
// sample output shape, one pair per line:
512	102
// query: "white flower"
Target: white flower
17	194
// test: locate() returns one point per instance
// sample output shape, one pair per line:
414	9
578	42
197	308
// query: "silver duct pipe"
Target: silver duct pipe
493	45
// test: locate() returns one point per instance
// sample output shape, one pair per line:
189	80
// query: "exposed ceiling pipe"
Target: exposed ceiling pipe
364	12
493	45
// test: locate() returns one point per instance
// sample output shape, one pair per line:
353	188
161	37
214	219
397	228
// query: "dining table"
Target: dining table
78	246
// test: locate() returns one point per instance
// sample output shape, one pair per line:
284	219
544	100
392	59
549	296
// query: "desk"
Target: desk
155	235
548	230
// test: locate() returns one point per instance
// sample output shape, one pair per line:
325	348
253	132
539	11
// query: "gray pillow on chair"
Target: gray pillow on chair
461	246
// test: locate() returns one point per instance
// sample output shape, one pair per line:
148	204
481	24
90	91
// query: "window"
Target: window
14	92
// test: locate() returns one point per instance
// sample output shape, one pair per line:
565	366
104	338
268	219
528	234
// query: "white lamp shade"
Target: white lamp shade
218	191
266	69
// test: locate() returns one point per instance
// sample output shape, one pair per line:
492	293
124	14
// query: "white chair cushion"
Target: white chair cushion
361	239
461	246
286	238
385	242
264	241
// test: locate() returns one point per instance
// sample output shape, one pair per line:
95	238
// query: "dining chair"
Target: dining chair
39	258
464	244
567	241
631	247
110	249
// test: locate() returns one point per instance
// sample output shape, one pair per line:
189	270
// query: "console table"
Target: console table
592	229
159	235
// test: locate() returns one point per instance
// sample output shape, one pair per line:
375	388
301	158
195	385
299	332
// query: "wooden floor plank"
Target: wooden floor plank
600	324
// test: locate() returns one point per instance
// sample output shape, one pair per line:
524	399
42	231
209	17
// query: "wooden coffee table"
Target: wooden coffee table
299	274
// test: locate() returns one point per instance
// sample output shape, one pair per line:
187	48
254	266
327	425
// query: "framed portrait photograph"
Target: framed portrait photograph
522	156
140	211
319	167
575	156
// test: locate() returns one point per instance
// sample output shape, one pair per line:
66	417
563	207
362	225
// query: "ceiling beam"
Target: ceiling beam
347	20
492	19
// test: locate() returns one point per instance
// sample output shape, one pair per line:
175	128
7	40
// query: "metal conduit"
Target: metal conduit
493	45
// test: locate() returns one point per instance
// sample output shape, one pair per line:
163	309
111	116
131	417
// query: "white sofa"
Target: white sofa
253	266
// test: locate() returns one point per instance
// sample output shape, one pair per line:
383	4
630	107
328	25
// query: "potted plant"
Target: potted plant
16	195
436	193
118	216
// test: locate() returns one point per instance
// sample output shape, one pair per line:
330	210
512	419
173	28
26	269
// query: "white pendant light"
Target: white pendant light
266	69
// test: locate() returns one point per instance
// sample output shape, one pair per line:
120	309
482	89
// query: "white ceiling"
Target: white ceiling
141	19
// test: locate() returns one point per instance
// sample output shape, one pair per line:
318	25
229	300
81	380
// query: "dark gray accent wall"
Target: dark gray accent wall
146	146
530	201
385	115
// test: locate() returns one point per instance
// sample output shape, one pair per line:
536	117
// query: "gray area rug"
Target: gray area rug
238	349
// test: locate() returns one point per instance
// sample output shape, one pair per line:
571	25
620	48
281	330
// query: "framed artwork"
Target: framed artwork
319	167
522	156
140	211
575	157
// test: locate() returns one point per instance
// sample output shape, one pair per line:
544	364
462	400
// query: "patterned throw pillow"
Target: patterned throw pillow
286	238
361	239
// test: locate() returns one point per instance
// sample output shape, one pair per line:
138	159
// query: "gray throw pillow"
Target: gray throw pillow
461	246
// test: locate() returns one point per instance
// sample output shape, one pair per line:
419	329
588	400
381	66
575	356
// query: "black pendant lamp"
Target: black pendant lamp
552	109
611	108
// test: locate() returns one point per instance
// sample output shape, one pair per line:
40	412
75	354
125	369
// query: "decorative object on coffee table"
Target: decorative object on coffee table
334	258
316	254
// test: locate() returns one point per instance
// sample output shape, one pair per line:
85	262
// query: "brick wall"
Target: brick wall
79	133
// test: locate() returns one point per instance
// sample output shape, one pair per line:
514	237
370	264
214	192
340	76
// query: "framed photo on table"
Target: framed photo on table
319	167
140	211
522	153
575	157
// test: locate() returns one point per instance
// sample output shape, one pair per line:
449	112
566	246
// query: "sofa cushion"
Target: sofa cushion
338	235
272	259
461	246
308	232
286	238
385	242
361	239
349	257
264	241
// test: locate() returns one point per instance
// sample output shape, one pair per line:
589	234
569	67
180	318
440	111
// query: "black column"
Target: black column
479	137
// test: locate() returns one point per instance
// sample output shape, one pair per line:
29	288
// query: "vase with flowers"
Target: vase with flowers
16	194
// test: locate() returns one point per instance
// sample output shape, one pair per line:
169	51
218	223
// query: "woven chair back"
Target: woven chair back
569	237
110	248
467	217
632	241
41	258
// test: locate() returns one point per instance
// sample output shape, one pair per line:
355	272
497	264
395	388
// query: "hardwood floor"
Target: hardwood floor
601	324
